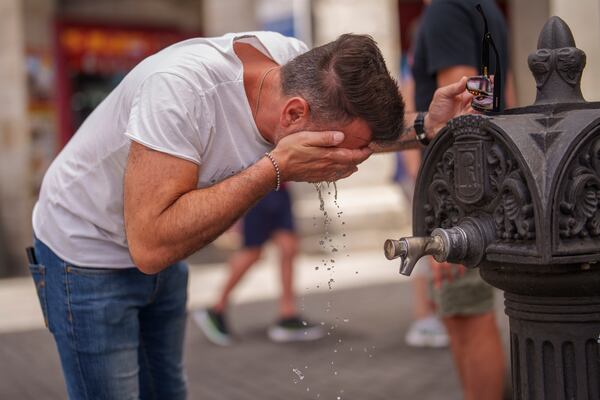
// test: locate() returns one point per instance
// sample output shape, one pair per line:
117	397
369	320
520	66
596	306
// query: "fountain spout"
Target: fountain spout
462	244
411	249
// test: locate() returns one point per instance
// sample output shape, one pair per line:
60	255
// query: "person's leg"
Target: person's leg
287	243
291	326
465	303
477	351
422	304
426	329
162	328
93	316
239	264
256	229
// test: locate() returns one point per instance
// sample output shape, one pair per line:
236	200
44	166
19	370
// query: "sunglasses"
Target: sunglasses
486	91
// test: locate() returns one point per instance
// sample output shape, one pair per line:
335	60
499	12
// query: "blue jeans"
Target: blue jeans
119	332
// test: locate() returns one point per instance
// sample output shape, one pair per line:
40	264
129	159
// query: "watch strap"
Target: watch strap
419	126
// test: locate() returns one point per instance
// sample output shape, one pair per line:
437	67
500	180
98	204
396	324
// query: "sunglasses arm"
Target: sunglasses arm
485	57
497	77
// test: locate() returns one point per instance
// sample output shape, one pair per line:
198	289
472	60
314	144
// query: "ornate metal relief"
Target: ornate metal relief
513	215
441	209
580	201
477	173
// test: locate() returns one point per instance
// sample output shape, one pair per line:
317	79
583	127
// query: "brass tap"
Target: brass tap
411	249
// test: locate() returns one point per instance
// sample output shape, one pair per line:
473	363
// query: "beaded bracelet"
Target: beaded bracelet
270	156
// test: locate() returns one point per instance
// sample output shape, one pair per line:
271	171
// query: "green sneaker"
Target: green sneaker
213	326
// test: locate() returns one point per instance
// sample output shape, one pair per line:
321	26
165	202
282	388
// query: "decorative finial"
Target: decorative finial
557	65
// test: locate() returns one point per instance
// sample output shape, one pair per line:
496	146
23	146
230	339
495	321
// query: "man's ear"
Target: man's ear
295	112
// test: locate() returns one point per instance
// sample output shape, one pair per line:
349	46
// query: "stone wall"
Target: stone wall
14	207
527	19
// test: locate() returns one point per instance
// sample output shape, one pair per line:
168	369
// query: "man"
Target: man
448	47
269	220
189	140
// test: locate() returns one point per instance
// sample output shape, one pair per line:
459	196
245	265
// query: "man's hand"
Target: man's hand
312	157
448	102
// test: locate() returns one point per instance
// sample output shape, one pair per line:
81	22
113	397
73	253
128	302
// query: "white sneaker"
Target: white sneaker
427	332
294	329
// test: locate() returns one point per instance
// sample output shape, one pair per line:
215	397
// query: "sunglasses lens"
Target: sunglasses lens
483	103
480	85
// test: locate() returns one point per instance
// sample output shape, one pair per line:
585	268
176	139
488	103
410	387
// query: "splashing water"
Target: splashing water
298	373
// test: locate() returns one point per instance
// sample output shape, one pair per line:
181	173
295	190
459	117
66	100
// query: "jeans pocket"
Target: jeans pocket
38	272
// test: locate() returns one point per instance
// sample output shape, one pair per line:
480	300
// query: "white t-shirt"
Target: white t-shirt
188	100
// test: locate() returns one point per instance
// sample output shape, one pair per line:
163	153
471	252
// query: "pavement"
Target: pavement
366	312
342	281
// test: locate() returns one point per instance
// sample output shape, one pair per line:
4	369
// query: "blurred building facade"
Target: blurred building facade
59	58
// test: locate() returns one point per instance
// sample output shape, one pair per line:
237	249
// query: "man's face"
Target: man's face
357	134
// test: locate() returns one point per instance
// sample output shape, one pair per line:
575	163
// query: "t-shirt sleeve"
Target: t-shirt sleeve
282	48
165	116
450	37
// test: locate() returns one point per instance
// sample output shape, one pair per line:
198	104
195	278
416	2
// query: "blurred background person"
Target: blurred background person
426	329
270	220
448	47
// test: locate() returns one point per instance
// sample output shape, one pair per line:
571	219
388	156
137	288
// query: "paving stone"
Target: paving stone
255	368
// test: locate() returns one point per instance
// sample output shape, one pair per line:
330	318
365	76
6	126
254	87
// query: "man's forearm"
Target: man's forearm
198	217
406	140
448	102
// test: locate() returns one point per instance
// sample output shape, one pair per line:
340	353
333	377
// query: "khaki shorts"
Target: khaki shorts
466	295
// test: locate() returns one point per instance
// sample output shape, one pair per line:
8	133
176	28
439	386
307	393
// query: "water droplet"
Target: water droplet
346	319
304	323
298	373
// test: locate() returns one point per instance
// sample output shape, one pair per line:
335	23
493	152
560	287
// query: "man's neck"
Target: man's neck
261	80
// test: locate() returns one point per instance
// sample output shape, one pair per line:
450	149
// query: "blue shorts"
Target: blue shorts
272	213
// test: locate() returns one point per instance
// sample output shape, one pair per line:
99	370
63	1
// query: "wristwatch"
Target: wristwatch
419	126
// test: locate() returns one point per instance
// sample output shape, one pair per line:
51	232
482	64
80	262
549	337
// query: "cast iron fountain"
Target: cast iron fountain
518	195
